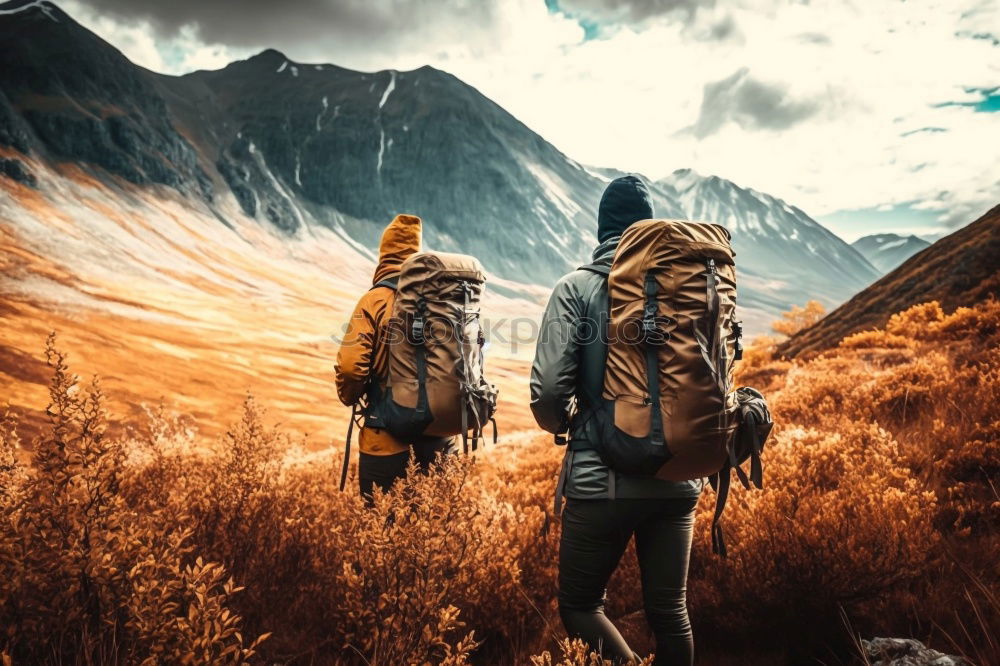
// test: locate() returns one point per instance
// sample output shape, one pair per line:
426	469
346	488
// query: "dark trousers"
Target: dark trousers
383	471
595	534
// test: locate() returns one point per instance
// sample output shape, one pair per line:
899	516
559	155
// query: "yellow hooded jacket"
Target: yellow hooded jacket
363	354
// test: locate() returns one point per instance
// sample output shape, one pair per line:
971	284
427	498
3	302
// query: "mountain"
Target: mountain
932	238
886	251
298	147
960	269
784	256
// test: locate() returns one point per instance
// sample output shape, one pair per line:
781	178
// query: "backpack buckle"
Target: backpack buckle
653	327
417	331
738	332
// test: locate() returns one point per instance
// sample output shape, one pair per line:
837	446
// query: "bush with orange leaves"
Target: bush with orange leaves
841	520
85	579
575	653
418	577
879	474
915	409
799	318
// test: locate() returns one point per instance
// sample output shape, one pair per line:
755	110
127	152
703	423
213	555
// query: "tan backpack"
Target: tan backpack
669	408
436	384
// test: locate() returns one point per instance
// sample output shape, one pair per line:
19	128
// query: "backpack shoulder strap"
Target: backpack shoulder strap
603	271
391	282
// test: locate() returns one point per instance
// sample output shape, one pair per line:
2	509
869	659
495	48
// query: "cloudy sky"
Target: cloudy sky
871	115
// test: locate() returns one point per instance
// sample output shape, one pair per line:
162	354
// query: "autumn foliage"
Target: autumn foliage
878	517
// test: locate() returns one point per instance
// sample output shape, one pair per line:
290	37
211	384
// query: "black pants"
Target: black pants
383	471
595	534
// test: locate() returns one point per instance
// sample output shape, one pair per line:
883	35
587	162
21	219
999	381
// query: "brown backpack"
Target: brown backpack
669	409
436	384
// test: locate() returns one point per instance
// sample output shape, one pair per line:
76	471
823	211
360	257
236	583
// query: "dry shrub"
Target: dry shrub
575	653
76	559
938	395
880	497
840	521
799	318
759	367
877	339
416	578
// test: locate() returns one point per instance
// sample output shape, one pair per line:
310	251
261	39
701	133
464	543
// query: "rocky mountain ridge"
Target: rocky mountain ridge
296	145
887	251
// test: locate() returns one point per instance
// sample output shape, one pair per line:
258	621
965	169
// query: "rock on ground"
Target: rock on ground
907	652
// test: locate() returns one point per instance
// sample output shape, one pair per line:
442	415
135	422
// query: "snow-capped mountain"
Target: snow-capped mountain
887	251
295	146
784	256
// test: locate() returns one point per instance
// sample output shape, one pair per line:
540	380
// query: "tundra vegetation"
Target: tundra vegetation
150	544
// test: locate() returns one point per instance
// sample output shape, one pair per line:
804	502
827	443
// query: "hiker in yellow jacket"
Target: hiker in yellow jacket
363	362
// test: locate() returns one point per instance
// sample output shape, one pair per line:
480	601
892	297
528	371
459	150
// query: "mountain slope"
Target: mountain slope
957	270
299	146
783	254
886	251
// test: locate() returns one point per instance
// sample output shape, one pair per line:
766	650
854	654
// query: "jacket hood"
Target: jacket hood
399	240
625	201
605	252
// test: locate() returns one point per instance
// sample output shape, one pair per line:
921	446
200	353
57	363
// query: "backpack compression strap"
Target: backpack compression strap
418	332
653	337
468	392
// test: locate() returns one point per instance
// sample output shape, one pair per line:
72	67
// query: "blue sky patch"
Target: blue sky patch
902	219
591	28
990	102
173	55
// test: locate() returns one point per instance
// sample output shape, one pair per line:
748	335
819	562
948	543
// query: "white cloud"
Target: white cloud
180	53
847	90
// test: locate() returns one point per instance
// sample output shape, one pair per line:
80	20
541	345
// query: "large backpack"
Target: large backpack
668	408
436	385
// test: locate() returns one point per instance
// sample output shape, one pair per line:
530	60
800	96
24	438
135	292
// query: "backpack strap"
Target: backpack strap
564	471
563	438
600	269
391	282
347	447
720	482
466	388
652	364
420	350
465	422
472	402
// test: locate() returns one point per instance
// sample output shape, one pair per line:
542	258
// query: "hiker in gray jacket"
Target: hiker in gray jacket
603	508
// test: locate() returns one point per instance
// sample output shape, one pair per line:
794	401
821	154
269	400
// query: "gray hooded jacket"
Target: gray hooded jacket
569	367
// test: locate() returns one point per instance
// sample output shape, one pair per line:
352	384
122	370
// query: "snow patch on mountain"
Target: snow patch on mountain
888	246
45	7
277	185
381	150
388	89
554	191
319	116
